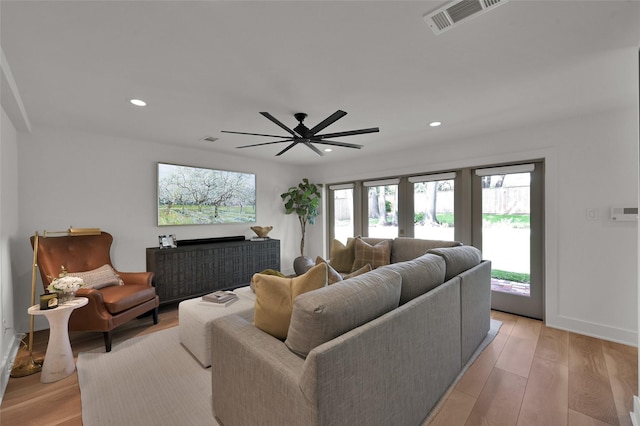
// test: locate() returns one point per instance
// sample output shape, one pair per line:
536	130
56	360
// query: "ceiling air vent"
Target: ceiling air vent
448	16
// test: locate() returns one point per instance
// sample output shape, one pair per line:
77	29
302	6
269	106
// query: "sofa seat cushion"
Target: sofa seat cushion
275	297
375	255
419	275
325	314
458	259
406	248
122	297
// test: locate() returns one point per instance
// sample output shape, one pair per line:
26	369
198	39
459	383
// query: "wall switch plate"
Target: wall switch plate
591	214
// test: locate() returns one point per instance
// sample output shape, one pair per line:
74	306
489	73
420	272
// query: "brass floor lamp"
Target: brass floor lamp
33	365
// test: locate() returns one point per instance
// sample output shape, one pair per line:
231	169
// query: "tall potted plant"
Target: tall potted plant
303	200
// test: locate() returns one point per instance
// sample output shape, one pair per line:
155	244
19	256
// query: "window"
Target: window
497	208
343	206
433	206
382	208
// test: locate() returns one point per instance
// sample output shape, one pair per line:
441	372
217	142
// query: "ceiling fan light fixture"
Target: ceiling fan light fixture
301	134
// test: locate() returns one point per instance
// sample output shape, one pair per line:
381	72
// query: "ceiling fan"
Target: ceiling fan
303	135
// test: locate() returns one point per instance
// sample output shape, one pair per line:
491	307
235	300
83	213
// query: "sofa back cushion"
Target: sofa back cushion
419	275
458	259
322	315
405	248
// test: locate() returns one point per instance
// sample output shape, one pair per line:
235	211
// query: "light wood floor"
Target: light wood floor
529	375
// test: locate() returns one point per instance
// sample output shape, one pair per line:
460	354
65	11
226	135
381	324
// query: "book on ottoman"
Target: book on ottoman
221	297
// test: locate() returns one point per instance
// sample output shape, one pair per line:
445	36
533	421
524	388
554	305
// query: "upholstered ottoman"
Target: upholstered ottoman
196	315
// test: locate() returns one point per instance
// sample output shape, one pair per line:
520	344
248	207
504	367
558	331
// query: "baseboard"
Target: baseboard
612	334
5	370
635	414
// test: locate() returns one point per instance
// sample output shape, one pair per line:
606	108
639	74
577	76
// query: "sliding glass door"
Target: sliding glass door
508	227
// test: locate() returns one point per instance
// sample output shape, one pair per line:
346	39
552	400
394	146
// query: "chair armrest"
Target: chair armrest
96	303
137	278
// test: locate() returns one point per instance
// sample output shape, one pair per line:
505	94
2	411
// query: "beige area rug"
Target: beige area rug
153	380
148	380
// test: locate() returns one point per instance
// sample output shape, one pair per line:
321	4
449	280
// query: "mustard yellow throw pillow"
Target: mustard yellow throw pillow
376	256
265	272
275	296
342	256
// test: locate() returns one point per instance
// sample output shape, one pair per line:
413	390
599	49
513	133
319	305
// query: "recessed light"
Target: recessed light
435	123
328	150
138	102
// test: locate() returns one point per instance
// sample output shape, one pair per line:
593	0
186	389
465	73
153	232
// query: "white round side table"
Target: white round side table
58	360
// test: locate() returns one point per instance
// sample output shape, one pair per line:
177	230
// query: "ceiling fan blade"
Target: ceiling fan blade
287	148
253	134
328	121
347	133
313	148
277	122
265	143
334	143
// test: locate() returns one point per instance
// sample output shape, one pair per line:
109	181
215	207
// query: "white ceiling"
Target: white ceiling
209	66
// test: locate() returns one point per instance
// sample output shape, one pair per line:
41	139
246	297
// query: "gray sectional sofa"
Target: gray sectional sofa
377	349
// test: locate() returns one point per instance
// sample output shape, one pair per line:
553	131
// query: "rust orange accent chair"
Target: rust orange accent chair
108	307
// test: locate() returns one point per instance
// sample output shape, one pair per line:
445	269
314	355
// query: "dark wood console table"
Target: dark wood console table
196	269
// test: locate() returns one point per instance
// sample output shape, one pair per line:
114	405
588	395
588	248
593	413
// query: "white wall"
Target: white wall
8	235
87	180
591	163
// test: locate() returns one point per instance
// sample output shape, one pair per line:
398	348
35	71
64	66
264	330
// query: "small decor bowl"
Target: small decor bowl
262	231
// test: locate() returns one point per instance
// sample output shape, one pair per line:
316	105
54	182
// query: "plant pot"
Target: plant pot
301	264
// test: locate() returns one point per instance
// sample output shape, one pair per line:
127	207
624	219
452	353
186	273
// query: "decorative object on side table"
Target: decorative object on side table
48	301
303	200
65	286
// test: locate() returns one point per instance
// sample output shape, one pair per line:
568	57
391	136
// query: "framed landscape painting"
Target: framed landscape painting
199	196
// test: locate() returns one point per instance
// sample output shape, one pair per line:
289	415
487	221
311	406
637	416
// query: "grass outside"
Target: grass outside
516	277
192	215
